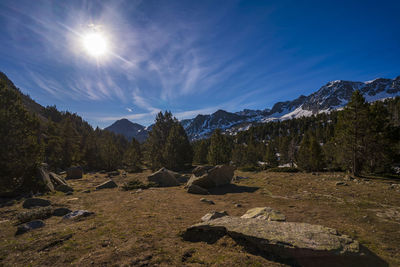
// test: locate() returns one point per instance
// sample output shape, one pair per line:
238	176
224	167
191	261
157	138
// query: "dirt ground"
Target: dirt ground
132	228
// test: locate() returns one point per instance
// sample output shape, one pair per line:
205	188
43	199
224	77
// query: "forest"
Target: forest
362	139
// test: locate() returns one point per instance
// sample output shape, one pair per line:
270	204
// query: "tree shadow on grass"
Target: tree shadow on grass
232	188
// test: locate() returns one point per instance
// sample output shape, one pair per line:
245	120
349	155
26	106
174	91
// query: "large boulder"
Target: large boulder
74	173
29	226
212	177
296	244
108	184
264	213
200	170
195	189
35	202
164	178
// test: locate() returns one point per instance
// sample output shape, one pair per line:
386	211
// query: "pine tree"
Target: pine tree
133	156
270	156
303	155
178	151
220	150
350	134
20	147
316	156
200	150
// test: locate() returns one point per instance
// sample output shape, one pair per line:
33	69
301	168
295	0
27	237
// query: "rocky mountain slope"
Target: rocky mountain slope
332	96
129	129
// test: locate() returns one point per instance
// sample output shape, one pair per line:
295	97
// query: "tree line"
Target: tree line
362	138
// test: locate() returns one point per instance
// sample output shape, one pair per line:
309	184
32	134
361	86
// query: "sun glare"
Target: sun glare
95	44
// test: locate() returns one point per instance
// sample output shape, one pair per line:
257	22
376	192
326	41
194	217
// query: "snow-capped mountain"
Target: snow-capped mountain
332	96
329	97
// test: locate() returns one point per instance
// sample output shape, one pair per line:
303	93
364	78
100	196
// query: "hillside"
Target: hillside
129	130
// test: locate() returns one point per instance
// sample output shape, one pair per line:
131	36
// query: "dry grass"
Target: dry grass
135	229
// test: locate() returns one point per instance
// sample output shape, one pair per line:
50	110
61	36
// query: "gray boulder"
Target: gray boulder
204	200
297	244
214	177
108	184
264	213
213	215
35	202
29	226
45	178
35	214
195	189
200	170
78	214
164	178
64	188
74	173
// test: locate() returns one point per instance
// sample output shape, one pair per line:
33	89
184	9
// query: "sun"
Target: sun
95	44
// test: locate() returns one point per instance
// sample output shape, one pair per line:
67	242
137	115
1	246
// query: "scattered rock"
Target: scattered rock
108	184
195	189
207	201
61	212
86	191
69	193
163	177
78	214
238	205
74	173
29	226
296	244
188	254
238	178
35	202
35	214
264	213
213	215
341	183
55	242
56	179
214	177
64	188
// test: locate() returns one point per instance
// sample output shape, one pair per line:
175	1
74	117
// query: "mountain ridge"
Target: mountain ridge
331	96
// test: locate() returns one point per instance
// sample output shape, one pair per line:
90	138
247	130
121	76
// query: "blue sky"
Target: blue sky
192	57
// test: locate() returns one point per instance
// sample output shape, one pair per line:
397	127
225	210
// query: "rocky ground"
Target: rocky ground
144	228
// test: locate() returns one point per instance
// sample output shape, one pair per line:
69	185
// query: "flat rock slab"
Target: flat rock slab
296	244
61	212
35	202
74	173
213	215
29	226
108	184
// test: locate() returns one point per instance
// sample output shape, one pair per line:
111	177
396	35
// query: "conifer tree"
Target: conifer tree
316	156
20	147
133	156
200	150
178	151
303	155
270	156
350	134
219	151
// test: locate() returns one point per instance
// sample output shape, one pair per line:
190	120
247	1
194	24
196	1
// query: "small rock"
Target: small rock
61	212
113	173
207	201
195	189
188	254
29	226
238	205
213	215
68	193
77	214
35	202
108	184
341	183
86	191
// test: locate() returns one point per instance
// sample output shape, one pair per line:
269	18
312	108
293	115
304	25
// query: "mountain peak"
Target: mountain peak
128	129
